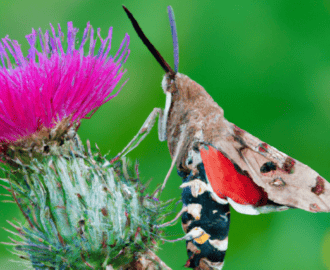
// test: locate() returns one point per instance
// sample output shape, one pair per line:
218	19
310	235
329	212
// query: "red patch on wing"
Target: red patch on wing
319	187
288	165
238	131
227	182
263	147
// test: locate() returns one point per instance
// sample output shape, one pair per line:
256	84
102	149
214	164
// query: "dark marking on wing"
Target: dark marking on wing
289	164
263	147
238	168
268	167
278	182
241	141
314	207
238	131
240	171
319	187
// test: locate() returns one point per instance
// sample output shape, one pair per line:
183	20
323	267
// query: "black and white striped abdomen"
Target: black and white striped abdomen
203	212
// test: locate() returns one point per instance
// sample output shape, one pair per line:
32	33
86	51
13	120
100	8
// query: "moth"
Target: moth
221	165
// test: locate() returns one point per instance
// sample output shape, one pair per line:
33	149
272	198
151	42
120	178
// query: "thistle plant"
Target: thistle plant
49	90
82	210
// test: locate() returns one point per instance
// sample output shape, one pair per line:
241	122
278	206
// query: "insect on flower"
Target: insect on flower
221	164
48	92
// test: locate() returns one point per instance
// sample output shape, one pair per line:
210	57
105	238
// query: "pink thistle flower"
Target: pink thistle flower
48	86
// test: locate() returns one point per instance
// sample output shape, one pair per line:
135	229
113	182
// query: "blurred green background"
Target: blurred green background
267	63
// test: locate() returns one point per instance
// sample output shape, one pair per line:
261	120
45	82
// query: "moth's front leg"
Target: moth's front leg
163	118
162	126
144	131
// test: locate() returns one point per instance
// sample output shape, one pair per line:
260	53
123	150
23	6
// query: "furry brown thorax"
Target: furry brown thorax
193	110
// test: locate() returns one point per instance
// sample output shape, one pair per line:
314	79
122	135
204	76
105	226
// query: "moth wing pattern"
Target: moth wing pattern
286	180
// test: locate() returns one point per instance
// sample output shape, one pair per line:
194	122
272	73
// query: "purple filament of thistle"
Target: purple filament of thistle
51	84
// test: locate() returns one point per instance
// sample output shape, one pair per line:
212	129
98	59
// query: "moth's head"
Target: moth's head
169	82
184	87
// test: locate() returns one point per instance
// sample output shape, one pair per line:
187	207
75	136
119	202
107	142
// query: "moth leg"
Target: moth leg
170	223
192	209
143	132
198	187
194	234
163	118
175	157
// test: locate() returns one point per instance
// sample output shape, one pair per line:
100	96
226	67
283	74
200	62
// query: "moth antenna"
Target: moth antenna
174	38
150	47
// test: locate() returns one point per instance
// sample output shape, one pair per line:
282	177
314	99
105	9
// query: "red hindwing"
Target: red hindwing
227	182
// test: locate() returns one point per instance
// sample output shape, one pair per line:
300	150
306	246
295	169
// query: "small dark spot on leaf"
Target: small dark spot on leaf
81	222
319	187
268	167
288	165
104	212
114	244
277	182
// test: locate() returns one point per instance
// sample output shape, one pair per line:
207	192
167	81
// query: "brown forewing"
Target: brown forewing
286	180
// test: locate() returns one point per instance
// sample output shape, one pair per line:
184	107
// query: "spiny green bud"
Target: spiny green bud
83	212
